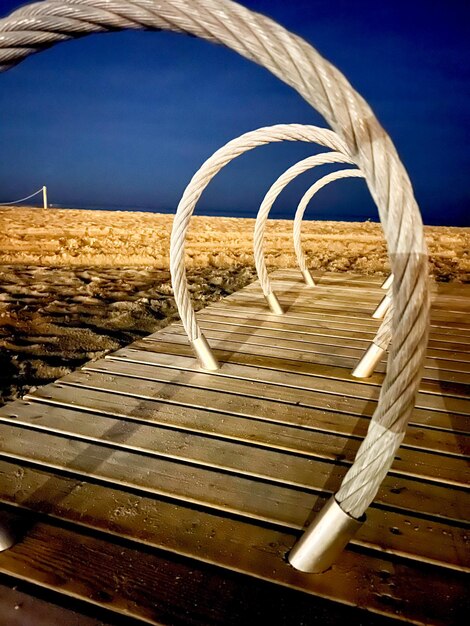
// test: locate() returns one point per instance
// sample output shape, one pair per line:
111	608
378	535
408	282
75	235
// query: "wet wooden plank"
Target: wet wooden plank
442	389
174	386
227	454
232	544
411	537
262	498
316	437
18	607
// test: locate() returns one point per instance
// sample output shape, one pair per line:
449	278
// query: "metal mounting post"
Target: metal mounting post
308	278
204	354
387	282
382	307
325	539
7	536
274	304
368	363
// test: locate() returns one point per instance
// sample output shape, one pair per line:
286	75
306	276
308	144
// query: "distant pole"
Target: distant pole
44	195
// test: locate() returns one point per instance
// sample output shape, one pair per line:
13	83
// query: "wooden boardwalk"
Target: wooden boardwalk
150	489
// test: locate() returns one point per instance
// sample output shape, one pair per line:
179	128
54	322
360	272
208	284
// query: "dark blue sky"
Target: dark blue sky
125	119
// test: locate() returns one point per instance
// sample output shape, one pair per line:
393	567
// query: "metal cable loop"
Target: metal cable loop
299	214
269	199
200	180
295	62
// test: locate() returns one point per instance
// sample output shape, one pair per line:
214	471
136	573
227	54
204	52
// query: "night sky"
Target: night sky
125	119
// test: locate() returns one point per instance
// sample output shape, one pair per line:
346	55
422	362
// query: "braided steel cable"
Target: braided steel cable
378	347
209	169
299	214
268	201
294	61
383	336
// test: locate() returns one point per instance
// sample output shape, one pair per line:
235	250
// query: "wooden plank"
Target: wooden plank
336	295
294	325
437	376
185	592
451	551
246	452
362	281
441	389
272	371
322	320
351	279
285	503
435	368
365	300
349	309
18	607
257	304
457	302
326	405
92	426
266	368
231	543
329	309
315	438
455	296
230	493
335	282
459	353
308	334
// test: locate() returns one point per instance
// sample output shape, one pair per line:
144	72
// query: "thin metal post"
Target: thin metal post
274	304
382	307
204	354
369	361
308	278
7	536
44	196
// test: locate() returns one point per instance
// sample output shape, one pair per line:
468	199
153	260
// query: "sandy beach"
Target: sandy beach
76	284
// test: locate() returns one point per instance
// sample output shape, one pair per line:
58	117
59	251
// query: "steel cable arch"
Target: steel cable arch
300	212
381	341
207	171
265	208
297	63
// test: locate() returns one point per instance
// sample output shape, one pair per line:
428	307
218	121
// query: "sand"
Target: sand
76	284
